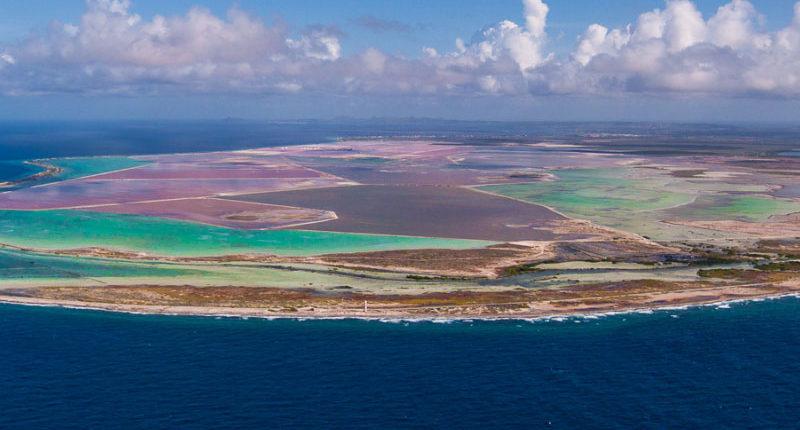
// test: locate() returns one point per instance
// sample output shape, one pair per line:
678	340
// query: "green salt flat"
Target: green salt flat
747	208
624	199
585	192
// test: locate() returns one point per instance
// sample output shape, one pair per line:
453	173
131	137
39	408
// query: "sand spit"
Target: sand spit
48	172
283	303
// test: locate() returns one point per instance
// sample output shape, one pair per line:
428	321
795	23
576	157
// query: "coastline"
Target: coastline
535	311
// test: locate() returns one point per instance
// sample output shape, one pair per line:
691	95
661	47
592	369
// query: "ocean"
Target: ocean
731	367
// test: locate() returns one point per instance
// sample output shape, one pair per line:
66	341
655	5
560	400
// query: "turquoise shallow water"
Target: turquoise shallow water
158	236
697	368
87	166
14	170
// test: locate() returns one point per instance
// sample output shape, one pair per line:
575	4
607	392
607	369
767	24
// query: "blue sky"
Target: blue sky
397	31
437	22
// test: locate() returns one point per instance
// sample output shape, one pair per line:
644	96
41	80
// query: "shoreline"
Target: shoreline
395	314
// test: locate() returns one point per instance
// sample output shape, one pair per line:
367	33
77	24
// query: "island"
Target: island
408	227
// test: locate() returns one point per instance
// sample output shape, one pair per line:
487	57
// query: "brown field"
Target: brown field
500	260
484	262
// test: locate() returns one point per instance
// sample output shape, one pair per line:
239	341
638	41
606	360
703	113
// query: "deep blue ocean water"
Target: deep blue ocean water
13	170
696	368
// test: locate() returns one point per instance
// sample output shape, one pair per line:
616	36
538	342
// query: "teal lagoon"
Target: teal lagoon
64	229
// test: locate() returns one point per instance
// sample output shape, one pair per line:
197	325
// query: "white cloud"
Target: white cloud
374	60
734	26
489	84
535	17
676	50
508	40
669	50
683	25
598	40
430	52
114	50
6	59
319	44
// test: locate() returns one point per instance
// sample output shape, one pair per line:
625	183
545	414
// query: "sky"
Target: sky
654	60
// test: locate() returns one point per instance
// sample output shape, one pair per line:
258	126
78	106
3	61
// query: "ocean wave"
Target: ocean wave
576	317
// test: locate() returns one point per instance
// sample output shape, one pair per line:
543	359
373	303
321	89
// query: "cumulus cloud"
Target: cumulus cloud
509	41
113	49
676	50
673	49
318	43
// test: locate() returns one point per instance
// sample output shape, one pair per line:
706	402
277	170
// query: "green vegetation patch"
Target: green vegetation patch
720	273
519	269
780	266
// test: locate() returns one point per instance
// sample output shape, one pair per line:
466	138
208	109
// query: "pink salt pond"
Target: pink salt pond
95	192
401	187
